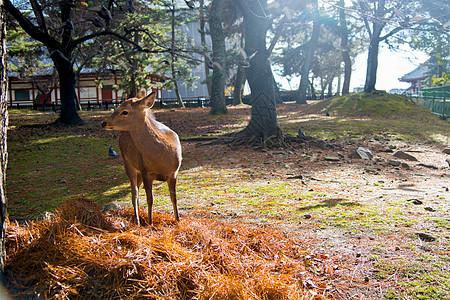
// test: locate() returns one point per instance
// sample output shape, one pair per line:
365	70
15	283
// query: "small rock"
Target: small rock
406	156
361	153
395	163
426	237
429	209
405	166
448	161
428	166
279	153
415	201
62	181
295	177
332	158
446	150
307	216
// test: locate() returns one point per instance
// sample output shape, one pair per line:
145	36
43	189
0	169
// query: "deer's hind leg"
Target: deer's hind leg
172	183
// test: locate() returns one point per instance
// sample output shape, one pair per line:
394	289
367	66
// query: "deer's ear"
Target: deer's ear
148	101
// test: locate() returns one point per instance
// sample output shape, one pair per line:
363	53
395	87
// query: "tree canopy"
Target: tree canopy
316	41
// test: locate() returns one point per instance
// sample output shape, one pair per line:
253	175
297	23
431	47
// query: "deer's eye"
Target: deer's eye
124	113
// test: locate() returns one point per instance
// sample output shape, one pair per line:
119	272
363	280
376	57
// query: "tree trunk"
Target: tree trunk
204	46
172	58
218	104
263	123
372	64
372	56
307	63
3	130
330	88
67	79
312	90
239	86
345	52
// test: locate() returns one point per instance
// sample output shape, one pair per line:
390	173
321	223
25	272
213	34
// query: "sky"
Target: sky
391	66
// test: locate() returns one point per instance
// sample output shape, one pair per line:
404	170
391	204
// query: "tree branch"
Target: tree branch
391	33
37	9
120	37
277	35
32	30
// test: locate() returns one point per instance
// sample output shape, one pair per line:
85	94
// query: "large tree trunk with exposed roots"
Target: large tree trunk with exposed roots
263	123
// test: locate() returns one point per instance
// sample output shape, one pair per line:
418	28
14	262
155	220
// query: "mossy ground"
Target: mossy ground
358	210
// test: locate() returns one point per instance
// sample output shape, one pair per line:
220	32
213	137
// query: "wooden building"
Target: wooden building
415	78
91	88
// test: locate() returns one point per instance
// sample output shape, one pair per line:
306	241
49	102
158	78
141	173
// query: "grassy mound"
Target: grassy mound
364	115
379	104
82	253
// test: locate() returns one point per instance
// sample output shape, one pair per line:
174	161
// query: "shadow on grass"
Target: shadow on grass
328	203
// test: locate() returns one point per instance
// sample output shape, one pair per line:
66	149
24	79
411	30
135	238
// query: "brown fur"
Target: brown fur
150	150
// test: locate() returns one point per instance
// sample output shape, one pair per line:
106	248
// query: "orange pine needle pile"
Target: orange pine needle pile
80	252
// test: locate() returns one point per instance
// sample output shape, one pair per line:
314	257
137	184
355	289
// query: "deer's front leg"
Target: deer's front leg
148	186
135	182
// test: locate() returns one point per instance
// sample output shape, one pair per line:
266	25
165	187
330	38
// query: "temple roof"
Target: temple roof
419	73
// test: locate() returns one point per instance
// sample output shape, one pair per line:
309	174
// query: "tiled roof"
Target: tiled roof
421	72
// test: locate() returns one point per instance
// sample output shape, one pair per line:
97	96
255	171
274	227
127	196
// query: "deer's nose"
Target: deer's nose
103	124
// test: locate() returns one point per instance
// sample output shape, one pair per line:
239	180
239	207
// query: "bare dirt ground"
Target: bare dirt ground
360	212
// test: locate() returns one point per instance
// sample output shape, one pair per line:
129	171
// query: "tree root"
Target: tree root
245	139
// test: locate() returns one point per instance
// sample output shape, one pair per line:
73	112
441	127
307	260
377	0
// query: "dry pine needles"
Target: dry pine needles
82	253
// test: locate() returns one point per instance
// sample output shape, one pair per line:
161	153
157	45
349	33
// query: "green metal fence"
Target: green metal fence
437	100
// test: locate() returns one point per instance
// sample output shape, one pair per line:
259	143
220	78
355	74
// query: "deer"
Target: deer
150	150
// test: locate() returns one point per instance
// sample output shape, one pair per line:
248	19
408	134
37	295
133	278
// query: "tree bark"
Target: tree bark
239	86
302	90
67	79
372	64
3	131
263	123
204	47
172	58
330	88
345	51
374	43
218	104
